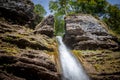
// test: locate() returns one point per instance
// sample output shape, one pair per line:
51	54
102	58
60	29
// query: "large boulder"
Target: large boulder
83	31
18	11
46	26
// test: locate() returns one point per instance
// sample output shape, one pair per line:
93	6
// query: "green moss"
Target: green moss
8	38
104	61
97	67
76	51
19	35
10	51
5	65
94	58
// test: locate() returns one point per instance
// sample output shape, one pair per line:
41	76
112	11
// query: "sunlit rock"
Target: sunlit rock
86	32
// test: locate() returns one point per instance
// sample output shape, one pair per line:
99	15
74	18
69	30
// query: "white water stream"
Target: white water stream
71	67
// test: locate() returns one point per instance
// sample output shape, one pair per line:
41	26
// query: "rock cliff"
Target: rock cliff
25	54
86	32
97	50
18	11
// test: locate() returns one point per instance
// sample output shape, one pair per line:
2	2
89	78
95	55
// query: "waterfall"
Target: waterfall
71	67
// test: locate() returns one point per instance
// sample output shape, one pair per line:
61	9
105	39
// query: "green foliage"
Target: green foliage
59	24
59	6
96	7
113	18
101	8
40	11
62	8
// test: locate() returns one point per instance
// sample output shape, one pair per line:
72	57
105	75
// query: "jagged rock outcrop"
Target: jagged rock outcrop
18	11
46	26
25	55
86	32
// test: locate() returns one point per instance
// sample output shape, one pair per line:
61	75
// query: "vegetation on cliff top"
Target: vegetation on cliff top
40	11
98	8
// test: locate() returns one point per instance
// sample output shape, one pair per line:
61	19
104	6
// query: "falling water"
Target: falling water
71	67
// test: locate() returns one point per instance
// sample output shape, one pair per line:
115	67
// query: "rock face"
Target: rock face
25	55
100	64
46	26
86	32
27	68
18	11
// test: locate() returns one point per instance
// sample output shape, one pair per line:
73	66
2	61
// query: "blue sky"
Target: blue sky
114	1
45	4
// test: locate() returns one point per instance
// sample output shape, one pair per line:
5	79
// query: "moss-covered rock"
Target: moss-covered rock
100	64
25	55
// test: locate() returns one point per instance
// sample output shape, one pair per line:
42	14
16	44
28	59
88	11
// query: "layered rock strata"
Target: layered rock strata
86	32
18	11
46	26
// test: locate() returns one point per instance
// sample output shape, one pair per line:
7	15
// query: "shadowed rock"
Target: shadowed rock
23	68
18	11
46	26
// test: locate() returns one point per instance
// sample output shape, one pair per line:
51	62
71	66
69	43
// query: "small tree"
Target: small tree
113	18
40	11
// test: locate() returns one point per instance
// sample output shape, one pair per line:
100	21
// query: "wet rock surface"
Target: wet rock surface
86	32
18	11
46	26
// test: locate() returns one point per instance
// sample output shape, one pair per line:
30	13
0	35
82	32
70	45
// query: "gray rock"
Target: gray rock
86	32
46	26
23	68
18	11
